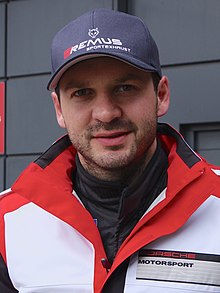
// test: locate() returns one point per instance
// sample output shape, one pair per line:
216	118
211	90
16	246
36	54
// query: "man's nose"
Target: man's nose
106	109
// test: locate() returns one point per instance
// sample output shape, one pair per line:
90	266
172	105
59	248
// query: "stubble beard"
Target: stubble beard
115	164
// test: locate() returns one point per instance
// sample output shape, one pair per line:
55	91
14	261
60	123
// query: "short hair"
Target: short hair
57	91
156	79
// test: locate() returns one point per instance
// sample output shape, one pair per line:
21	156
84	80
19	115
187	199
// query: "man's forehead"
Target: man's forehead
87	70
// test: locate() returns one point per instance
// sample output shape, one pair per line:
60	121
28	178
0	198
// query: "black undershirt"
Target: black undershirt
118	207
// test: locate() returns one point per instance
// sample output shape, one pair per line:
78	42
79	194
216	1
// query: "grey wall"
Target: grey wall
187	33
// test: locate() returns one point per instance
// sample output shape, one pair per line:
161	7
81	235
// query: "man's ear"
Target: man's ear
163	96
58	110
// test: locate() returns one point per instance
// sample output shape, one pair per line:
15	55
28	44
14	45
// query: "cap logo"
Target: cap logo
93	32
92	35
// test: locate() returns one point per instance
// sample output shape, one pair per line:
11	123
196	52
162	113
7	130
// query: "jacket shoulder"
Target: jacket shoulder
5	193
10	201
215	171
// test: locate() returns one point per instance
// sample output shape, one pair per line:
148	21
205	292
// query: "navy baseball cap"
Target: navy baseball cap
103	32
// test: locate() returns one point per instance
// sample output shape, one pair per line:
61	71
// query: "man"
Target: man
121	203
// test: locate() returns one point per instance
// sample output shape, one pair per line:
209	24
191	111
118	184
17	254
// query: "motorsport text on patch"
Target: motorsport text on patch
165	263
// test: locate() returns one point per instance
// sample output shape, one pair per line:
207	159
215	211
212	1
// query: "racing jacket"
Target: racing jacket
49	242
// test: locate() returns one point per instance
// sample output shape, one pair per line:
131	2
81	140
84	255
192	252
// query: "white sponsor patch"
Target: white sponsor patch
179	266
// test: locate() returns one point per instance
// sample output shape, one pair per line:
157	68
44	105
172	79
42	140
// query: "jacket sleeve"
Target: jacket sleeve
5	282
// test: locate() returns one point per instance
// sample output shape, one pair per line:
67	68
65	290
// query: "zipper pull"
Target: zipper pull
106	264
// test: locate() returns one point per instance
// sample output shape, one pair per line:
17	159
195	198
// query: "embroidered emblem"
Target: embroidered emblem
93	32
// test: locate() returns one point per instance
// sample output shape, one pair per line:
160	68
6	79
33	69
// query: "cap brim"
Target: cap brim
52	84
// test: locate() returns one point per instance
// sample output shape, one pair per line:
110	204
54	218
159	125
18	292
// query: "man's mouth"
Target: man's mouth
112	138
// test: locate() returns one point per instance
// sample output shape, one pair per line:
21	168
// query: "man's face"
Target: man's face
110	111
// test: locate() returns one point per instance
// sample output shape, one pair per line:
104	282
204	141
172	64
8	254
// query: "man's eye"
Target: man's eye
125	88
81	92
